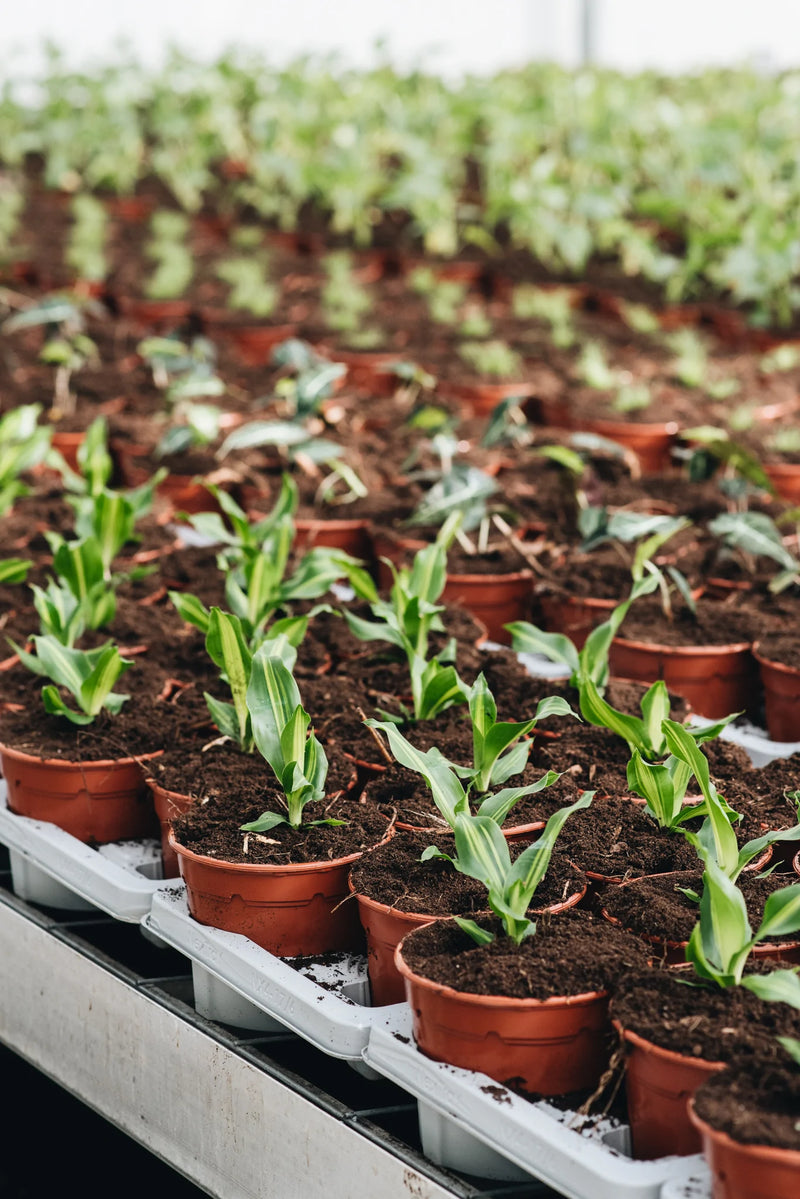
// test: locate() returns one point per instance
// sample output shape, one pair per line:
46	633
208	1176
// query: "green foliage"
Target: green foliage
88	676
482	853
407	619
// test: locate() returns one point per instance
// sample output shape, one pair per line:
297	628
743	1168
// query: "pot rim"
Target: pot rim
269	868
648	428
640	1042
584	999
687	651
781	667
572	901
787	1157
79	764
338	522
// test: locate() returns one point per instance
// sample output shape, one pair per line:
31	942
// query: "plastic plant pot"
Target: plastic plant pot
480	398
659	1085
169	805
551	1046
741	1171
574	616
713	679
781	697
651	443
785	478
385	927
291	911
255	343
98	801
351	536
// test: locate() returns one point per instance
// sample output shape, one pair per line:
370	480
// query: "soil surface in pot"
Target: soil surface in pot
212	828
222	769
394	875
407	793
655	907
143	725
597	759
571	953
781	647
764	791
754	1107
698	1021
713	624
614	837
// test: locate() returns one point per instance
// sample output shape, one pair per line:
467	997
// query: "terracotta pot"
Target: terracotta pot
369	369
573	615
135	209
715	680
169	805
352	536
785	478
292	911
385	927
659	1085
674	952
68	445
550	1046
781	698
97	801
255	343
494	600
746	1171
480	398
155	314
651	443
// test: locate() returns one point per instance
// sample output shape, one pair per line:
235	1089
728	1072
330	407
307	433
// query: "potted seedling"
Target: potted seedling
526	1025
718	950
284	884
500	755
96	800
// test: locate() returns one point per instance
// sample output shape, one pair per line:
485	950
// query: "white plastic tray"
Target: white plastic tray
236	982
469	1122
51	867
697	1186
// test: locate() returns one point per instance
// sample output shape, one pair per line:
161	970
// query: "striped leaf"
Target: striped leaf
99	684
190	609
655	785
481	851
683	746
531	866
497	806
272	699
526	638
14	570
724	927
781	914
227	647
113	521
781	986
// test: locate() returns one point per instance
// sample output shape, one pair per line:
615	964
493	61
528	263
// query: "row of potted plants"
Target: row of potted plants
257	643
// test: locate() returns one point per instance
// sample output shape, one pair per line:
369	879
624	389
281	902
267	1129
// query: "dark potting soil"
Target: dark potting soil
394	875
571	953
714	624
203	767
766	791
615	838
782	647
143	725
212	828
403	791
699	1021
597	759
754	1107
656	907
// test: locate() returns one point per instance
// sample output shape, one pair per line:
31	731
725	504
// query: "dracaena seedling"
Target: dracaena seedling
591	661
722	941
237	534
717	837
482	853
258	585
281	731
24	444
88	675
752	535
407	620
644	734
451	796
90	482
